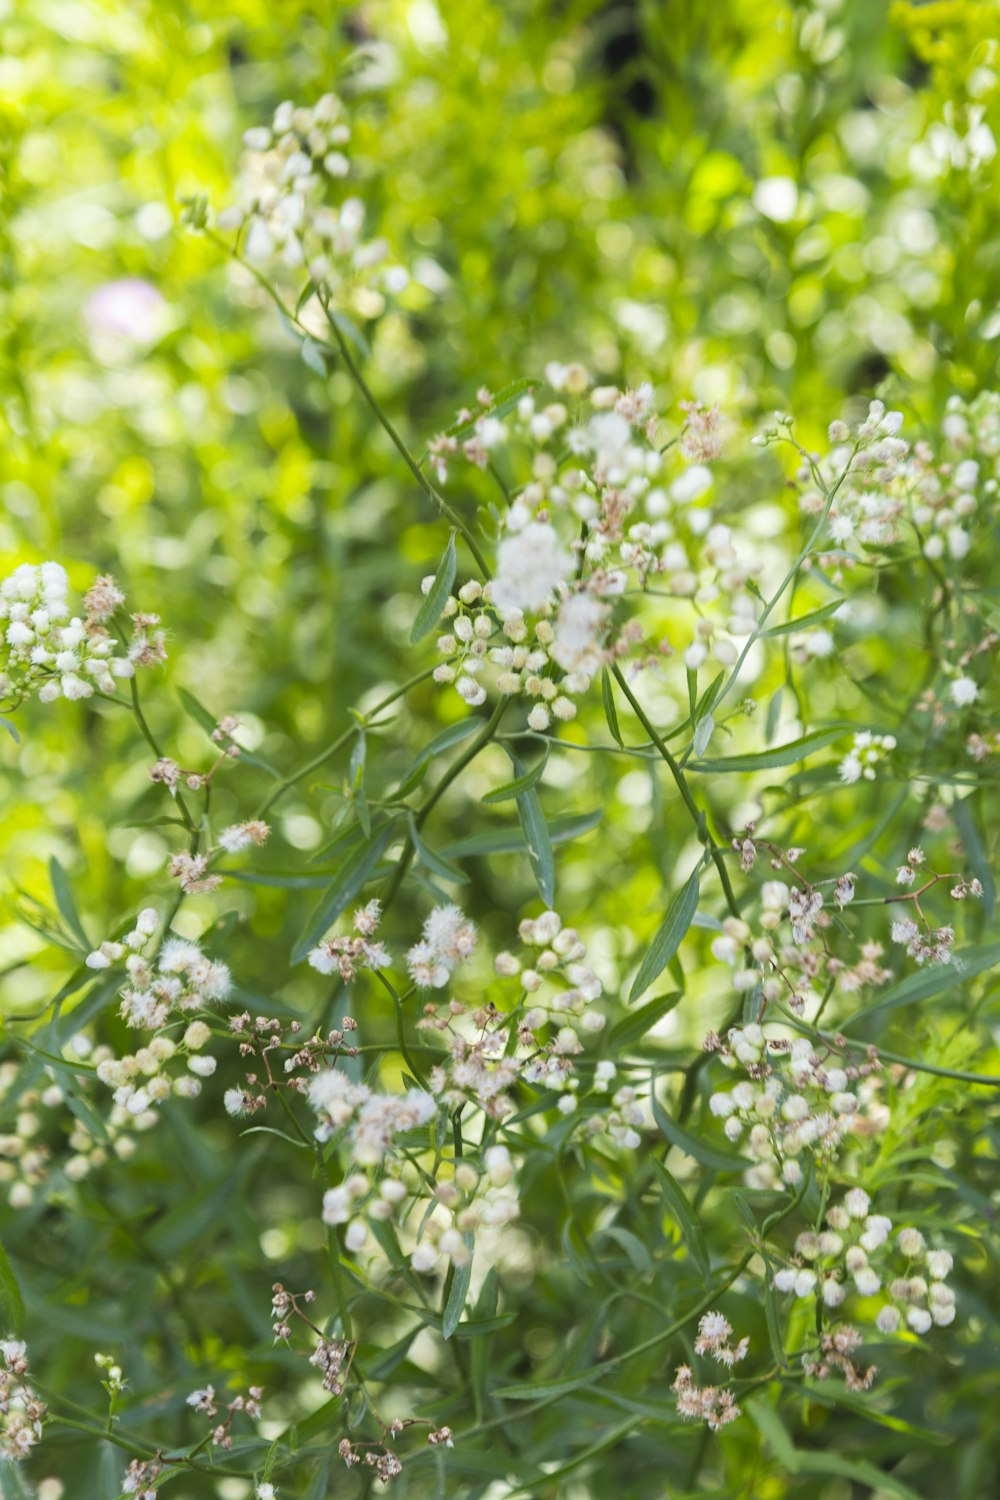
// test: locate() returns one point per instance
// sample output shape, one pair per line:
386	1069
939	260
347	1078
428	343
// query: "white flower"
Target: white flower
963	691
578	627
531	566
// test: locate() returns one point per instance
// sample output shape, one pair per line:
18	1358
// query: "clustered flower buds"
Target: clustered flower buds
21	1411
598	503
175	983
798	1099
294	214
858	1255
206	1402
346	955
44	649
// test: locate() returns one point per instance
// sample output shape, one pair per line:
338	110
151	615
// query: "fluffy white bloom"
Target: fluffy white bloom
531	565
578	627
963	691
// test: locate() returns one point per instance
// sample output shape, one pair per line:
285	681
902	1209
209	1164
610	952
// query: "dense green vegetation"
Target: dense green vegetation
646	268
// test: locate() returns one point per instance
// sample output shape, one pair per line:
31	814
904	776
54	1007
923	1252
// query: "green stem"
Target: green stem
338	744
453	772
150	739
697	815
789	577
404	452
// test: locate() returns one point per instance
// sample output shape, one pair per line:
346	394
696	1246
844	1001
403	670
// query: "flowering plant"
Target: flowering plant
429	1057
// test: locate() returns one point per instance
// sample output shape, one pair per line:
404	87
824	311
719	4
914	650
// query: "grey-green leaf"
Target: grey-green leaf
343	889
512	789
536	836
437	595
781	755
668	937
455	1305
11	1301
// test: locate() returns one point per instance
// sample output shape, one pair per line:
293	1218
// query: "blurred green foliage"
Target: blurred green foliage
769	205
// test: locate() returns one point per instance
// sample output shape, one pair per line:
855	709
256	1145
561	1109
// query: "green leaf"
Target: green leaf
312	358
201	716
636	1251
964	814
610	711
965	964
774	1432
455	1305
11	1301
63	893
436	863
782	755
197	711
668	937
344	888
513	840
512	789
320	1486
683	1216
804	621
453	735
635	1025
541	1390
11	729
437	595
879	1480
691	1145
536	836
281	880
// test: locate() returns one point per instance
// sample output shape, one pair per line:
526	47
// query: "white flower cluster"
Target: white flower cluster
858	1254
47	650
346	955
174	983
786	971
864	756
596	505
449	939
484	1061
710	1404
46	1147
437	1225
290	174
887	482
180	978
371	1119
21	1411
794	1101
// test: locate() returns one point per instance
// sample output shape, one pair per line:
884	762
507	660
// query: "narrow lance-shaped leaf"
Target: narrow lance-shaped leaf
512	840
668	938
437	595
11	1301
536	835
781	755
633	1027
512	789
455	1305
683	1217
343	889
694	1146
63	893
610	711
